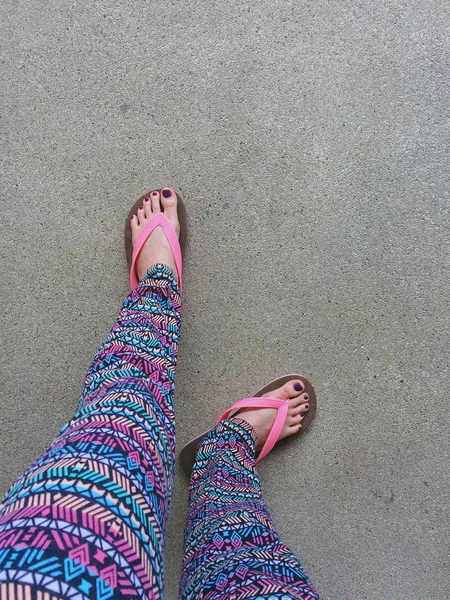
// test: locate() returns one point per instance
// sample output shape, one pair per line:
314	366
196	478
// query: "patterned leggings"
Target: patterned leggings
88	518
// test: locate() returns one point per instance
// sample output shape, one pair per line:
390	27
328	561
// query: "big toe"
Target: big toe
169	201
290	390
294	392
169	198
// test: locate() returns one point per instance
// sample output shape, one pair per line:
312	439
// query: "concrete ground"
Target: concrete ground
308	141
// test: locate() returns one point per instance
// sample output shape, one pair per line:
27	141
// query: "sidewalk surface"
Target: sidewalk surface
308	140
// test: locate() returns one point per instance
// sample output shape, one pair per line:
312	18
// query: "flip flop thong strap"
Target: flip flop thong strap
259	402
162	221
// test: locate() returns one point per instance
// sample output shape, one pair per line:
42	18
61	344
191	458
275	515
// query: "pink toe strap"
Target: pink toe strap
161	221
258	402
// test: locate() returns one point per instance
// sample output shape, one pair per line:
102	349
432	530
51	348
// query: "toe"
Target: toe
295	402
156	206
292	389
168	199
294	428
303	398
298	385
298	409
134	222
168	196
295	419
141	214
147	207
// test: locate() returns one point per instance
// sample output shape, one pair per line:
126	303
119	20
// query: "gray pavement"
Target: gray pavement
308	140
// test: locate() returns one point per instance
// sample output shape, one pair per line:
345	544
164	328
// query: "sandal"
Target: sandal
189	451
177	245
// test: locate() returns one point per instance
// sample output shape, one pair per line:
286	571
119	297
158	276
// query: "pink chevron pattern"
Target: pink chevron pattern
231	549
80	554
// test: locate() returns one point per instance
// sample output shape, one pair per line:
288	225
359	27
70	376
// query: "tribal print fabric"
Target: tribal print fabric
88	518
232	550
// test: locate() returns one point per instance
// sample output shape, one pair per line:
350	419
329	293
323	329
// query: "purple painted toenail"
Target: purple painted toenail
306	405
305	396
166	193
298	387
154	193
147	199
141	207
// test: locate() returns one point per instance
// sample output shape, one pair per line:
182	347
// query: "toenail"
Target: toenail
147	199
154	193
306	406
166	193
305	396
141	207
298	387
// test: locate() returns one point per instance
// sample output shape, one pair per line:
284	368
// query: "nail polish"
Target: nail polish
141	207
306	406
305	397
154	193
147	199
166	193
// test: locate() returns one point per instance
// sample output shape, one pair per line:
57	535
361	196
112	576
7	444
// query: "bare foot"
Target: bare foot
156	249
262	419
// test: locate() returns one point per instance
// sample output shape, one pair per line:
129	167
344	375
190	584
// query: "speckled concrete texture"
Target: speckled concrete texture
308	140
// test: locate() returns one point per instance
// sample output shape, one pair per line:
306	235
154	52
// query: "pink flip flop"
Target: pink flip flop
188	453
177	245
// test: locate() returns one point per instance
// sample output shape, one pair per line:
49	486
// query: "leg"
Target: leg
88	518
232	550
